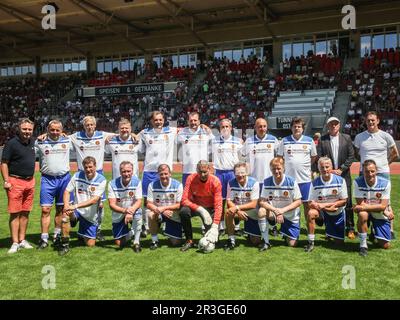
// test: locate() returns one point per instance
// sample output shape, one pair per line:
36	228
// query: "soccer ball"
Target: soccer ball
206	246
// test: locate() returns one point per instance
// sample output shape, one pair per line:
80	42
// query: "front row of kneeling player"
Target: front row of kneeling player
275	201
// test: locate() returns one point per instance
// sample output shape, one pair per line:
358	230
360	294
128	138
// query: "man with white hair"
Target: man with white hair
225	154
327	199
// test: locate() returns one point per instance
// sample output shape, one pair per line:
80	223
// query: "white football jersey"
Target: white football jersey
225	153
93	146
195	147
372	195
158	146
54	155
259	153
126	196
329	191
297	155
282	195
84	190
239	194
123	150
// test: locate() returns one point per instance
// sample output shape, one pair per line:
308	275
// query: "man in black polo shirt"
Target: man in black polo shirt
17	169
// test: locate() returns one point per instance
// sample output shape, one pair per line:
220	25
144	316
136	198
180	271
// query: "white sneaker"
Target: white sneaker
14	248
25	245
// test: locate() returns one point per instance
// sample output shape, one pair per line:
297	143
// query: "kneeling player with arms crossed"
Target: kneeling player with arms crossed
280	203
328	199
88	187
372	194
125	199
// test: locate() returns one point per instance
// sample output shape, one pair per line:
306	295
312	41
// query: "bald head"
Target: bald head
261	127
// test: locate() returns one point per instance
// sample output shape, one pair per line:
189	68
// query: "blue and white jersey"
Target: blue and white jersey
195	147
239	194
282	195
54	155
123	150
165	196
297	155
225	153
372	194
126	196
158	146
259	153
329	191
162	196
85	146
84	190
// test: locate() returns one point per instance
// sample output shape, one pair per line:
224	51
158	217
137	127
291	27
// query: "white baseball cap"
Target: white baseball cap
333	119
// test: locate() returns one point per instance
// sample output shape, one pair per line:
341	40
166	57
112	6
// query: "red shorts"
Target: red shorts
20	197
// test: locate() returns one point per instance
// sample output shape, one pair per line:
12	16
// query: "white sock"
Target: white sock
136	238
154	238
264	226
45	237
222	225
237	226
311	237
232	238
57	231
363	240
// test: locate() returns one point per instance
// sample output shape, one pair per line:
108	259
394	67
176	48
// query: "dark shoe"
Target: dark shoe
221	232
371	237
64	249
309	247
154	245
99	236
393	235
42	244
136	248
230	245
187	246
239	232
143	234
264	246
363	251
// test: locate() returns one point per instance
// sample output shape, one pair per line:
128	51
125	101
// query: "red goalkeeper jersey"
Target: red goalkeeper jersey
205	194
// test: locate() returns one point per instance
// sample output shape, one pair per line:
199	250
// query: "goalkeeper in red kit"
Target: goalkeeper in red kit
202	197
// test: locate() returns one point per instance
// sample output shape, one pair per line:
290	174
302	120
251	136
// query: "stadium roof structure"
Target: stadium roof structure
145	26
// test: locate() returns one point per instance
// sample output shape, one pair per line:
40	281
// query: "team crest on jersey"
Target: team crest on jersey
172	196
286	194
130	147
237	199
219	150
334	192
254	151
233	147
92	189
378	195
247	194
81	148
118	200
97	142
304	147
289	151
271	196
199	136
186	141
47	152
63	146
150	141
269	146
157	200
80	191
131	193
116	152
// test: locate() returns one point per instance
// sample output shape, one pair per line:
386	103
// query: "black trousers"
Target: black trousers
186	215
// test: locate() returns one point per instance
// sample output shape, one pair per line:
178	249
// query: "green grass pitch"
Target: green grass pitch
281	273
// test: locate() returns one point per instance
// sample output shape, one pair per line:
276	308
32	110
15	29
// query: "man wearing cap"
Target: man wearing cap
338	147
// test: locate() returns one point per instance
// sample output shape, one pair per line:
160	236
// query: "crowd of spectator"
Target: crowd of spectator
239	90
375	86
